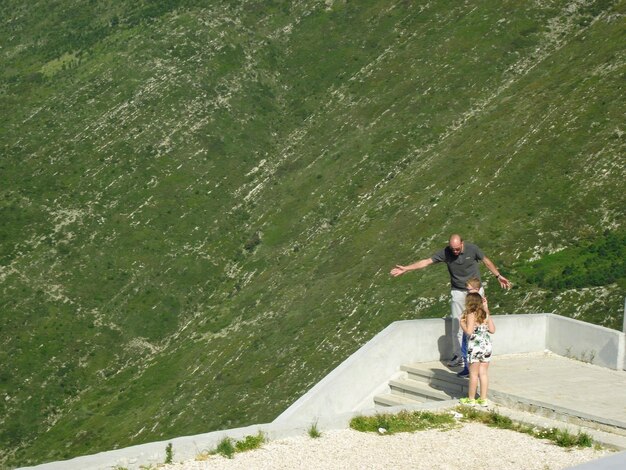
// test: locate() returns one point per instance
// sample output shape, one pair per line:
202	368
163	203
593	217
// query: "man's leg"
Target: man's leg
457	304
465	371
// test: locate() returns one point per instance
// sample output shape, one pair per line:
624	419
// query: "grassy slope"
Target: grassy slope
203	203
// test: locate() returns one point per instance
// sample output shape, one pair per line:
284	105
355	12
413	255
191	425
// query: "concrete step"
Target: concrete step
437	379
392	399
606	439
441	378
417	390
559	413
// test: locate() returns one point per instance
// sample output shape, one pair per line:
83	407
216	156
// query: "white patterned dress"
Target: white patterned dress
479	344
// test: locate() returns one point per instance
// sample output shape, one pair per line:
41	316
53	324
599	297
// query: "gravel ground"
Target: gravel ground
471	446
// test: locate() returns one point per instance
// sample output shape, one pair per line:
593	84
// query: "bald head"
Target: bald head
455	239
456	243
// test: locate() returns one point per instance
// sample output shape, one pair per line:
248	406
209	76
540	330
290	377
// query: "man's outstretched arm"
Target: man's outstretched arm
399	270
504	282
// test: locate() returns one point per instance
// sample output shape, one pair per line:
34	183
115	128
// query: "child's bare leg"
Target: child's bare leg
483	377
474	368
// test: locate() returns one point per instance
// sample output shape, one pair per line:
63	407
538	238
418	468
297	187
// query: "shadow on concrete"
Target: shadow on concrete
447	381
443	346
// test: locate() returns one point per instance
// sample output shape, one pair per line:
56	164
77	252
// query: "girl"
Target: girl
477	324
472	285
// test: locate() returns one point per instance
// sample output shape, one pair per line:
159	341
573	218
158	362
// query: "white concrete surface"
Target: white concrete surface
366	373
368	370
585	341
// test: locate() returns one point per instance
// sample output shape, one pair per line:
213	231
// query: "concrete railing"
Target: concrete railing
356	380
354	383
586	342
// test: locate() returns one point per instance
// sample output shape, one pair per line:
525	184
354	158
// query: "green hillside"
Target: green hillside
201	201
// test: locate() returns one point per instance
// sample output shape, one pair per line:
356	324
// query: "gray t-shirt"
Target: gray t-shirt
461	267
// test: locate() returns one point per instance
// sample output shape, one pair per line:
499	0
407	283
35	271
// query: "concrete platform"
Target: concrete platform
546	381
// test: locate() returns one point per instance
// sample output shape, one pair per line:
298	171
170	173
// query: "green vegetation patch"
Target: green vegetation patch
314	432
589	263
561	437
412	421
405	421
228	446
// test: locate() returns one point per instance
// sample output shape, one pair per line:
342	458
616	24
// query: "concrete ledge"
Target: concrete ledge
558	413
605	439
585	341
520	333
187	448
355	382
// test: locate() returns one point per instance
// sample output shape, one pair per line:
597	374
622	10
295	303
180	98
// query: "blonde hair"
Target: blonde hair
474	304
473	283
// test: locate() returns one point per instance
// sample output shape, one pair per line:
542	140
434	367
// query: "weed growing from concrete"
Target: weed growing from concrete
169	453
250	442
314	432
227	446
563	438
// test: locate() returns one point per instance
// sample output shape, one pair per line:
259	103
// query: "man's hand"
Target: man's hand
399	270
504	282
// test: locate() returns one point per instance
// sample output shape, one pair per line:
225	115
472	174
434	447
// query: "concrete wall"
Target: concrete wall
353	384
517	334
152	455
370	368
590	343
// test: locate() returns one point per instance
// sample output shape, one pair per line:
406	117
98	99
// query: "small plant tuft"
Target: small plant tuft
169	453
250	442
405	421
584	440
203	456
314	432
226	448
563	438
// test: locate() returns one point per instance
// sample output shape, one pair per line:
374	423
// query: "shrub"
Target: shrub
250	442
169	454
226	448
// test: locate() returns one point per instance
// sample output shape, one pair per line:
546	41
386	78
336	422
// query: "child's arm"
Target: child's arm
486	305
467	323
491	326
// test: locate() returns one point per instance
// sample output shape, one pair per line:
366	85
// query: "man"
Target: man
462	260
